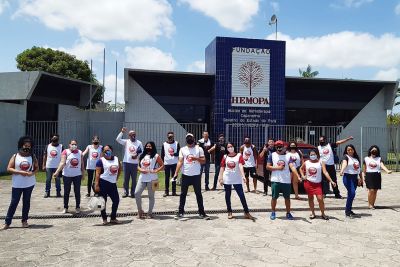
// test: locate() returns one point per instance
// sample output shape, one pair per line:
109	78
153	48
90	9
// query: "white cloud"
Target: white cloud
149	58
232	14
132	20
391	74
3	5
197	66
84	49
109	94
350	3
342	50
275	6
397	9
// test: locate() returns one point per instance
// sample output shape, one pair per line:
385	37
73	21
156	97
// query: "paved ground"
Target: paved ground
371	240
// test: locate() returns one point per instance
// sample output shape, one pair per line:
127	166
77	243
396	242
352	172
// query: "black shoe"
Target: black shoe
87	195
213	189
207	188
46	195
58	194
204	217
124	195
178	216
175	194
132	196
338	196
166	194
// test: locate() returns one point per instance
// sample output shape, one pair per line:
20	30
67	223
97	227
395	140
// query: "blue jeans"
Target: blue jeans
239	191
109	189
206	168
350	182
49	176
68	181
130	171
15	198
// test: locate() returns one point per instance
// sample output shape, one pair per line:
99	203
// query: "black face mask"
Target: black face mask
26	149
148	150
374	152
96	143
170	138
247	142
221	141
279	149
322	143
190	141
54	140
293	147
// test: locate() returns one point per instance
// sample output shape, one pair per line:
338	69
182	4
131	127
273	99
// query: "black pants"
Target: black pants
90	184
325	183
239	191
217	169
169	172
267	182
186	182
108	189
76	180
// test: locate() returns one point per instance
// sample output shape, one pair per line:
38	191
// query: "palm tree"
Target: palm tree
308	73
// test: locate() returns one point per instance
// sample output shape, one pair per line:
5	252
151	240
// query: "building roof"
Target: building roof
42	86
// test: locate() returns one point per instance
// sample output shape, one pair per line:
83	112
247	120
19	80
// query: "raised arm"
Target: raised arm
344	140
119	137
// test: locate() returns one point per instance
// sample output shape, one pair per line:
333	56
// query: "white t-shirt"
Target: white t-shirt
53	156
248	157
191	167
23	164
373	164
231	174
281	176
170	150
326	154
149	164
93	156
73	165
295	159
314	171
132	149
353	165
110	169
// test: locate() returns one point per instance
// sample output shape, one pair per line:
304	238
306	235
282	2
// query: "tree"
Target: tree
308	73
393	119
251	74
58	62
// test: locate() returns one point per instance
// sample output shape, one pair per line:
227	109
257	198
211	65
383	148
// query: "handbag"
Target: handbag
155	184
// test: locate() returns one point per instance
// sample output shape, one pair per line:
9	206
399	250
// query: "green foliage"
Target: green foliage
308	73
393	119
60	63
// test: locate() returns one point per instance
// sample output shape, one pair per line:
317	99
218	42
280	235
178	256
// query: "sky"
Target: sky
357	39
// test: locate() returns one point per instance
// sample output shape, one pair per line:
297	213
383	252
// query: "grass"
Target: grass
41	178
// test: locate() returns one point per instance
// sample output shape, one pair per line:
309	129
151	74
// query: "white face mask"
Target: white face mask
73	147
313	157
231	149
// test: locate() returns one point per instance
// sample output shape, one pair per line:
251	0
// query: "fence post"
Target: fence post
361	144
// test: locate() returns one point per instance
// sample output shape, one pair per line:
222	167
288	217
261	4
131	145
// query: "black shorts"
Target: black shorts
373	180
250	171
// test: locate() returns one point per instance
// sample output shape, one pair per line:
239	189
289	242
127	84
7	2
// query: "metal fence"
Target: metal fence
300	133
107	131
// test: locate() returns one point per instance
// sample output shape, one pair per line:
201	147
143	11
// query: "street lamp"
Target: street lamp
274	20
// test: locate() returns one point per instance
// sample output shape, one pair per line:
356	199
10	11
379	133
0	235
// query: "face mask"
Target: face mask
374	152
221	141
247	142
26	149
96	143
322	143
279	149
74	147
133	138
148	150
170	138
293	147
54	140
231	149
108	153
313	157
190	141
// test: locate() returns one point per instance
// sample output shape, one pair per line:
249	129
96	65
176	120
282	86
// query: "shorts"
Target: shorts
373	180
250	171
281	188
313	188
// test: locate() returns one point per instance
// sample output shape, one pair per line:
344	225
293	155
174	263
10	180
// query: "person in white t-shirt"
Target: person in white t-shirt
231	174
132	150
296	157
150	164
351	176
372	167
51	160
170	154
23	166
108	170
250	156
73	172
311	172
93	153
191	157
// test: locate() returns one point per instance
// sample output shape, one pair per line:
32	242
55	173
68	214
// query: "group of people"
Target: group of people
283	166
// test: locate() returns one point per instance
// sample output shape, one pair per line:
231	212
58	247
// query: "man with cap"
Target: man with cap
133	149
191	157
220	150
278	164
264	153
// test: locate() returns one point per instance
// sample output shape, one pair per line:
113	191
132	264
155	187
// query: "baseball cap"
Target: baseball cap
189	134
279	143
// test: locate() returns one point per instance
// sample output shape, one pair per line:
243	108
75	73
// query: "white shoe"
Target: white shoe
77	210
65	211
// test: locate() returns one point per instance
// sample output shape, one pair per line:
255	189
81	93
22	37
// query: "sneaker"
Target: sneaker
58	194
77	210
5	226
273	215
175	194
65	211
338	196
87	195
166	194
124	195
265	194
132	196
213	189
207	188
46	195
178	216
204	217
25	225
289	216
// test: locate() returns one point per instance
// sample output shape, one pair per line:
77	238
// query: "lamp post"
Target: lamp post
274	20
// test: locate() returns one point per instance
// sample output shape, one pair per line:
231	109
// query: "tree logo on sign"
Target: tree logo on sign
251	75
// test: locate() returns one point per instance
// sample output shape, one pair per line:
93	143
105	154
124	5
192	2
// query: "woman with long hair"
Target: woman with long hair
372	173
296	157
351	176
23	166
93	153
150	163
